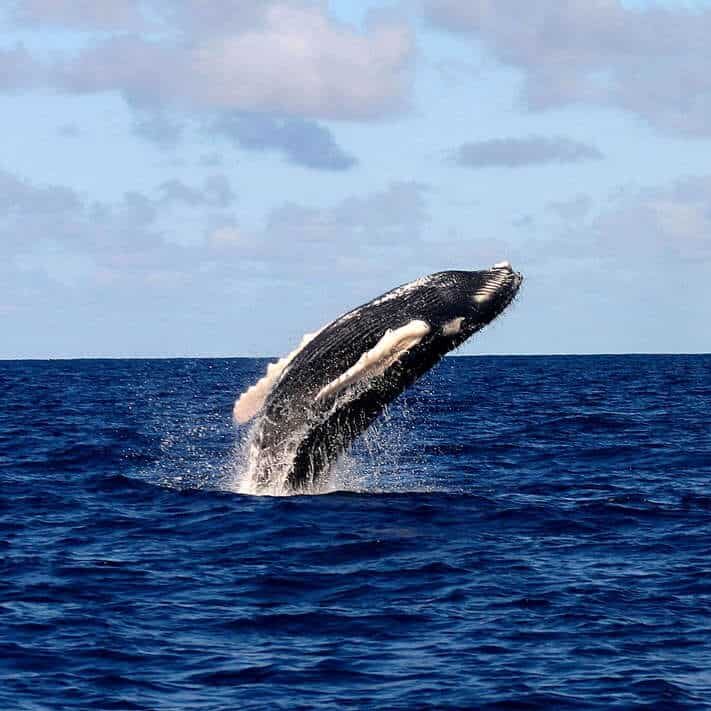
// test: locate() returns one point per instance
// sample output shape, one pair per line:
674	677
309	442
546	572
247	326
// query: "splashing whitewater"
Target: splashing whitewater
374	464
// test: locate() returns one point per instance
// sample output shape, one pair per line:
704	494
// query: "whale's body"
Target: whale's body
313	403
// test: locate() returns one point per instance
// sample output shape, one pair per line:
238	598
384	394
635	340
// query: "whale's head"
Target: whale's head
466	301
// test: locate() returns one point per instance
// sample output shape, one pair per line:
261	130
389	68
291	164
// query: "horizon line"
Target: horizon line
4	359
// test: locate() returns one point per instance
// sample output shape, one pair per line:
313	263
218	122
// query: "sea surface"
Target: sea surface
518	533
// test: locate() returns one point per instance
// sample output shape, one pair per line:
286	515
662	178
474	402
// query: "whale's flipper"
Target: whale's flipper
250	402
389	349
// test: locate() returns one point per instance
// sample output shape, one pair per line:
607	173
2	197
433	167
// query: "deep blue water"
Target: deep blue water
521	533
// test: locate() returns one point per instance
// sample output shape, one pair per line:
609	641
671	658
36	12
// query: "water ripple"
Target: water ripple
520	533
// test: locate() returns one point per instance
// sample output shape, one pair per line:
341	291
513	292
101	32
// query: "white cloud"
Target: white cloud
670	222
53	229
646	230
301	62
651	61
283	57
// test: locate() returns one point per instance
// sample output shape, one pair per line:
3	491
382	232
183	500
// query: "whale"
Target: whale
313	403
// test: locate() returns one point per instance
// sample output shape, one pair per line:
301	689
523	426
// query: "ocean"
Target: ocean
516	533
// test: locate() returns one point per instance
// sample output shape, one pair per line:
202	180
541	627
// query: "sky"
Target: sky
192	178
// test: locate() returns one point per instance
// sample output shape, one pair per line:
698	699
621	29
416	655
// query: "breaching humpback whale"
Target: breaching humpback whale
313	403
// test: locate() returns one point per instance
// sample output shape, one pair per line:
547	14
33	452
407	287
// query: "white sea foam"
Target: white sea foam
260	472
373	465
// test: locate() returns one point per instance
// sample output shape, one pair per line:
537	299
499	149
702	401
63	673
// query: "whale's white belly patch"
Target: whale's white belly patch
251	400
389	349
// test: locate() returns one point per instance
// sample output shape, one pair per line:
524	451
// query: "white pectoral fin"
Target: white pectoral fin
388	350
250	402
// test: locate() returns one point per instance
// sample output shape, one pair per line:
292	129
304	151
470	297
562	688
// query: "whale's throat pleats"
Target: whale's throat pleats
392	346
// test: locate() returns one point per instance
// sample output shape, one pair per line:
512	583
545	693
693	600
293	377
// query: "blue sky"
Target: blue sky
212	179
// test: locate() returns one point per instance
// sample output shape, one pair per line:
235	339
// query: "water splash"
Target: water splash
178	449
374	464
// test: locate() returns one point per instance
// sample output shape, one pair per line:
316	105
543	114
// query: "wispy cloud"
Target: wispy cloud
574	208
649	60
216	192
301	141
671	222
158	128
108	15
517	152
